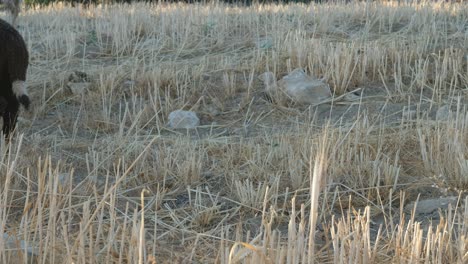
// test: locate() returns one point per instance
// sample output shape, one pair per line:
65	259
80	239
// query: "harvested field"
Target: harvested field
377	174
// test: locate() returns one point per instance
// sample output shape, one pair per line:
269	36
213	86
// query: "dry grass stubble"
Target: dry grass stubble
98	177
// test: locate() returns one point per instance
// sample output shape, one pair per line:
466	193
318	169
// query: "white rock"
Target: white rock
443	113
14	243
78	88
409	113
431	205
64	179
304	89
183	119
265	43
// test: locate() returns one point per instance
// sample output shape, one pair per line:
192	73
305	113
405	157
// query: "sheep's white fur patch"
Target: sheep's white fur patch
19	88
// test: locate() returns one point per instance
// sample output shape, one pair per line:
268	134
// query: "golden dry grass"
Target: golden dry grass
258	182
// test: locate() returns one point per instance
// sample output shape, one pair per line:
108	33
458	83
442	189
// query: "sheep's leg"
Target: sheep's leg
3	104
9	123
10	116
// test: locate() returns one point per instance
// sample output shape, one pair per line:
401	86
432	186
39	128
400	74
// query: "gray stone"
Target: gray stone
183	119
304	89
264	44
14	243
64	179
297	86
78	88
443	113
428	206
409	113
78	82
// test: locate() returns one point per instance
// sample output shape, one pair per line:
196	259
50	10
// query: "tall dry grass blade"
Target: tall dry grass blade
316	180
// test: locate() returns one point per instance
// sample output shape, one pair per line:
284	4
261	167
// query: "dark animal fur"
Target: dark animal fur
14	59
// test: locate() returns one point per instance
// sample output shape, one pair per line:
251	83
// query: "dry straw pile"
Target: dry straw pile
96	175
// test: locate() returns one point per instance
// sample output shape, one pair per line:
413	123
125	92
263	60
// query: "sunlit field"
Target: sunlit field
377	174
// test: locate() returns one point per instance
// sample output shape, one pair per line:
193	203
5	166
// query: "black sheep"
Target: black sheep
14	59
